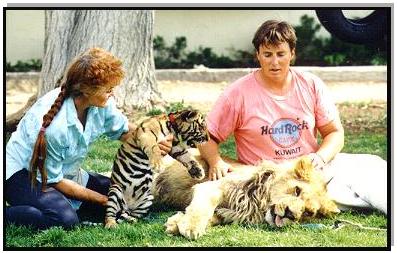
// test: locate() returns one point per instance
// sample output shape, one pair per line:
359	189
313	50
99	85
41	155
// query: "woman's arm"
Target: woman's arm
131	128
333	140
209	151
73	190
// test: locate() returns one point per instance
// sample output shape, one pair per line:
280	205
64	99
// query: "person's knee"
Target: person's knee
68	219
23	215
39	219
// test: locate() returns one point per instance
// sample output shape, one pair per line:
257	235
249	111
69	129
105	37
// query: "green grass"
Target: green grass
366	143
357	143
149	232
101	155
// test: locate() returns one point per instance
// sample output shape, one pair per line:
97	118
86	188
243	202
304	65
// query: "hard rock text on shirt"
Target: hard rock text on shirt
284	129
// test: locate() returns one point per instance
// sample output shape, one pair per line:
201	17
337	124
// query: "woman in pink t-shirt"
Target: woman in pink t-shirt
275	114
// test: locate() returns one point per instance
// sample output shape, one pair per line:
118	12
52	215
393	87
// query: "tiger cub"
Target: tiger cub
140	156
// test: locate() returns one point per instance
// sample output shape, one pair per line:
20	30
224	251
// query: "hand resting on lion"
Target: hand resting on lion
267	193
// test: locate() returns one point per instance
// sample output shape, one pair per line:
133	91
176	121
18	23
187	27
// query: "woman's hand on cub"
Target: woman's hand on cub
317	161
165	145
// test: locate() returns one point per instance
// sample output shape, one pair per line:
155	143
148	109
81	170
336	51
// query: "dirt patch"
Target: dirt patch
360	117
203	95
362	105
199	95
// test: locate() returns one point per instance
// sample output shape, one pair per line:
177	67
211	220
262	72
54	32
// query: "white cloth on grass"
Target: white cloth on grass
358	181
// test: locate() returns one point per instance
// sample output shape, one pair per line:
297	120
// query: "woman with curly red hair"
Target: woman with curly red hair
53	138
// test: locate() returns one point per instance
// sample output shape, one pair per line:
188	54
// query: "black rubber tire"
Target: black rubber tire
370	29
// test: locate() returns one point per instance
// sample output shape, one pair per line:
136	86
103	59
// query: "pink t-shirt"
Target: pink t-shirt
271	127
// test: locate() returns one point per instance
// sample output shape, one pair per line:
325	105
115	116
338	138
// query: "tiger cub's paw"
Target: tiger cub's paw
155	161
126	216
196	171
110	223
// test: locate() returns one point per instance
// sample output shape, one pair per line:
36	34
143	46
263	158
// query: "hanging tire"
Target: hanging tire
370	29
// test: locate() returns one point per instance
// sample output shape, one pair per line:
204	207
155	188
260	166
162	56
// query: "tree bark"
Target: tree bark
13	119
128	34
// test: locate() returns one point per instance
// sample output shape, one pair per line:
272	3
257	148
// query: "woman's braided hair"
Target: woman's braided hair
89	73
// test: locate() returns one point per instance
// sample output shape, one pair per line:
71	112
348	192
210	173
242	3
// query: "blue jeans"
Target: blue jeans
41	210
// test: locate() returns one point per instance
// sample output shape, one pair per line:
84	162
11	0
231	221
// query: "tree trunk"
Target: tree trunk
128	34
13	119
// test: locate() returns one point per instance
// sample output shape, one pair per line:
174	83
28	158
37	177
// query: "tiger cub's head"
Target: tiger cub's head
189	126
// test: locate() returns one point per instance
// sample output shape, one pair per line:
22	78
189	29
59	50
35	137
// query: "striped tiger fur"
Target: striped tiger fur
140	157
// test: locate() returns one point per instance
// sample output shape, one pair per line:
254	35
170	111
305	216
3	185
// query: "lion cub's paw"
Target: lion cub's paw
190	228
306	162
196	172
110	223
171	226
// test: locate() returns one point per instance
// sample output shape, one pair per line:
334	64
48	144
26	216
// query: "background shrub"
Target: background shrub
24	66
176	56
311	50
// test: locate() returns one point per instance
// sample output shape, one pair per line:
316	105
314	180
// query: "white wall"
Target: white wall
217	29
24	35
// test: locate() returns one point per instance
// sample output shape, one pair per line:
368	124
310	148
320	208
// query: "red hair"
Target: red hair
89	72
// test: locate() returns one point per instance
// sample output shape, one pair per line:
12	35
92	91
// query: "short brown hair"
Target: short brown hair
273	32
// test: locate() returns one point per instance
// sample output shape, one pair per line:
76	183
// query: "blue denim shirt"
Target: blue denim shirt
67	141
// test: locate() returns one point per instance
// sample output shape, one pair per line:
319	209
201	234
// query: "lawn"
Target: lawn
149	232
